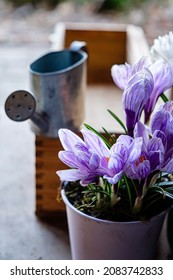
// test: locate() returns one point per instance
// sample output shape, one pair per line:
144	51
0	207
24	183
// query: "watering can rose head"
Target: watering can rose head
128	177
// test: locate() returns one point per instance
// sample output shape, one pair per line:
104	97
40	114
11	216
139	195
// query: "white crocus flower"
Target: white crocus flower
163	48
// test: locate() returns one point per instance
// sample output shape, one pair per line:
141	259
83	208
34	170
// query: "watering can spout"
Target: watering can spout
20	106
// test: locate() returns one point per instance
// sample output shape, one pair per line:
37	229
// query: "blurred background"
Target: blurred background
32	20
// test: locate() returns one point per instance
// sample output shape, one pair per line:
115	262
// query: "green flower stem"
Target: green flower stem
114	197
128	191
98	197
137	205
144	189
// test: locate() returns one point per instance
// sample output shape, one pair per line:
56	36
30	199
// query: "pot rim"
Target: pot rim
67	203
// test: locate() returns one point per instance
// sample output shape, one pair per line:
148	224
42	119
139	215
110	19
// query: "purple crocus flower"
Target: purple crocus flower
162	126
163	80
162	119
149	157
135	157
138	166
82	156
153	146
155	152
149	160
124	75
121	74
125	153
135	96
119	153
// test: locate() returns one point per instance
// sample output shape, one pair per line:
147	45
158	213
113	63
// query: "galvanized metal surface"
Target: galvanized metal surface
58	82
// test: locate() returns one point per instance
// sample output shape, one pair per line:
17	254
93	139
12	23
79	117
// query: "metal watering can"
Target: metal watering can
58	82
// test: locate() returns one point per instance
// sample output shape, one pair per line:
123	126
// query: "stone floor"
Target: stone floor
22	234
24	34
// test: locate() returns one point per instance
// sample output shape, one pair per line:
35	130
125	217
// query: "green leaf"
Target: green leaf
97	191
112	139
154	179
98	134
128	191
149	202
163	192
164	98
118	120
165	184
168	194
169	189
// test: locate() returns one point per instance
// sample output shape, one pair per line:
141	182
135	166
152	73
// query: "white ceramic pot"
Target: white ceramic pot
92	238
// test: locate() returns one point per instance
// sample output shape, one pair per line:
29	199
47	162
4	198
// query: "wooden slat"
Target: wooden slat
47	182
105	48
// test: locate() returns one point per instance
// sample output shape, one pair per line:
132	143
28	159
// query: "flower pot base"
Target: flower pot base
92	238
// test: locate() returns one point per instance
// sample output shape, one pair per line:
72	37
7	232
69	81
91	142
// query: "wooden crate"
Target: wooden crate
107	44
47	182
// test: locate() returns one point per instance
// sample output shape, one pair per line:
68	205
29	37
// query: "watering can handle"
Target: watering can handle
78	46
